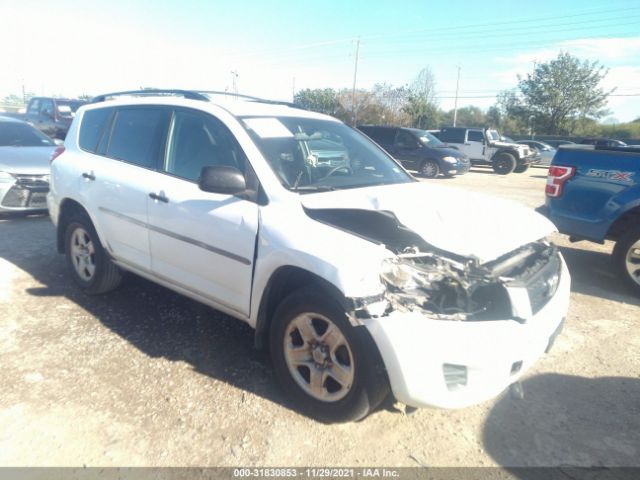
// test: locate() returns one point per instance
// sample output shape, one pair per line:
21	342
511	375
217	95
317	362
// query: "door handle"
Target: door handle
160	198
89	176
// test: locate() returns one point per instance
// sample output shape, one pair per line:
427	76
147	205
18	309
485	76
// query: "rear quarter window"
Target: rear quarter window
93	126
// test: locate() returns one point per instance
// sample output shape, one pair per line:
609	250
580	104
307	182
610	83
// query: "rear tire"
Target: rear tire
521	168
504	163
333	377
91	268
626	256
429	169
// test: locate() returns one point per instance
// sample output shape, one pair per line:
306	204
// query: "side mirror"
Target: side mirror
58	142
222	179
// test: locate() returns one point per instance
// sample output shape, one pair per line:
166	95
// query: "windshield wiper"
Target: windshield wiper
313	188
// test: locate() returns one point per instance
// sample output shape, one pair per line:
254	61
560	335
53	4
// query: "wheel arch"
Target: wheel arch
514	153
629	219
284	281
68	209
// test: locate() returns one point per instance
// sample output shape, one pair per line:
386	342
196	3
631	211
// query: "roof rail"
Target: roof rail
248	97
191	95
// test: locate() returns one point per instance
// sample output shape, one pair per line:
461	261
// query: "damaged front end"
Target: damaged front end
442	285
462	289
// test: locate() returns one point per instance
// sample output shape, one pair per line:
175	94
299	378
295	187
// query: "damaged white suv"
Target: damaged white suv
360	279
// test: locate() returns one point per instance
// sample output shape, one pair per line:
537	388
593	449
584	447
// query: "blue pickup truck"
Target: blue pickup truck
594	194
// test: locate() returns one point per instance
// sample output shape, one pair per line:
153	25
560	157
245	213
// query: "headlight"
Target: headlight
6	177
404	276
450	159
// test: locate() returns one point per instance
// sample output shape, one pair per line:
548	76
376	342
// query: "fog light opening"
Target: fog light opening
455	376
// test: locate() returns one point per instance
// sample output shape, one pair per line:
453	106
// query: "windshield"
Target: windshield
13	134
67	108
311	155
493	135
428	139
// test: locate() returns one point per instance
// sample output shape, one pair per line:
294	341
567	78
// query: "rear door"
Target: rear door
203	242
406	149
118	179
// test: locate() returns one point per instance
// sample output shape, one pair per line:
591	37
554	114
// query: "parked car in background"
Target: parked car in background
544	150
603	142
558	143
360	279
24	166
418	150
50	115
485	147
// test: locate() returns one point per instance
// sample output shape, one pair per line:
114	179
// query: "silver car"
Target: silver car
25	154
545	151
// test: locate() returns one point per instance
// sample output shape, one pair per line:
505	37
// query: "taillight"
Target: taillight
56	153
556	179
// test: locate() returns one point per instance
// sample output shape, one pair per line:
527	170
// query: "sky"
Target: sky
273	48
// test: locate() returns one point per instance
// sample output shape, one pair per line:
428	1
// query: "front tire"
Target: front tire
504	163
521	168
91	268
626	255
429	169
332	370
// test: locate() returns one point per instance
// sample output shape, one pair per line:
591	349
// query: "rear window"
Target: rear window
93	125
137	135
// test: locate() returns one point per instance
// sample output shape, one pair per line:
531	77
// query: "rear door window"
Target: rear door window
138	135
452	136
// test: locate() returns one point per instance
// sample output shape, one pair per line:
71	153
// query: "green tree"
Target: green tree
560	92
322	100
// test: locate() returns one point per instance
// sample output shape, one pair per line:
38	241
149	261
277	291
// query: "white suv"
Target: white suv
358	278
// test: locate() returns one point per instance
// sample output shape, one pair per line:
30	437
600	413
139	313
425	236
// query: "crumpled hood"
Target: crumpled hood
454	220
26	160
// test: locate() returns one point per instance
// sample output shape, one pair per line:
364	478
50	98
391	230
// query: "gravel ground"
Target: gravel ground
145	377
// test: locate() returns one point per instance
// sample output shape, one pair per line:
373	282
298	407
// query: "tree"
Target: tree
319	100
469	116
421	103
562	91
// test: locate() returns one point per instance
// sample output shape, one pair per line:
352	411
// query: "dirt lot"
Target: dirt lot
143	376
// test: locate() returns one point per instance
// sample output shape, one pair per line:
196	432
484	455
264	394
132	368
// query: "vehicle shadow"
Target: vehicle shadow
593	274
566	421
157	321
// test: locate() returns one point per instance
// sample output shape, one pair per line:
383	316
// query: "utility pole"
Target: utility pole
455	105
293	89
354	111
234	74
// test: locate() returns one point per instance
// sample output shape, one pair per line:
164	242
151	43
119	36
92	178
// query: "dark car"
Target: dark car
52	116
418	150
557	143
603	142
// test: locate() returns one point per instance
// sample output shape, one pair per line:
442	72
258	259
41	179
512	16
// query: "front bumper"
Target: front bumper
494	354
26	194
456	168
